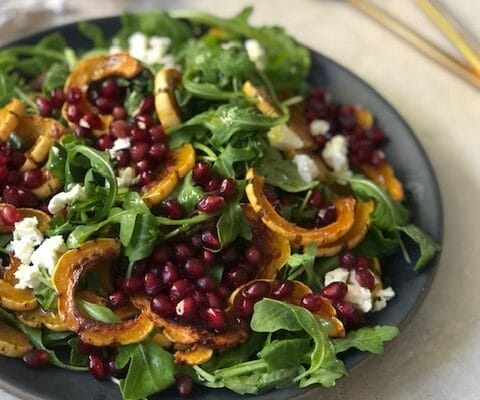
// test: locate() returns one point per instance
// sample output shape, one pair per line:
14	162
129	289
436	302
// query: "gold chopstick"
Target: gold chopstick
417	41
458	40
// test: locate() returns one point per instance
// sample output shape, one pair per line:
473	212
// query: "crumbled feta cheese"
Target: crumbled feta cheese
126	177
64	199
381	298
151	50
157	49
336	275
256	53
137	46
360	297
319	127
283	138
48	253
25	237
28	276
335	154
119	144
306	167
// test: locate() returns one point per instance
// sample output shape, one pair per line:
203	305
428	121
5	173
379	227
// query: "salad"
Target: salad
178	206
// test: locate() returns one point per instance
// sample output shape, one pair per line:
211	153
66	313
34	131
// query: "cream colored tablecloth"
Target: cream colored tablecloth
437	357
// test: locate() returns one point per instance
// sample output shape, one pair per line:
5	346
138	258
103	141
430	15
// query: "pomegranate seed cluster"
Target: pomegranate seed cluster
178	278
101	360
363	144
16	186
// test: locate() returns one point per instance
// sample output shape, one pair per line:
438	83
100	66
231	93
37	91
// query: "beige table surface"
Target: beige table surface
437	357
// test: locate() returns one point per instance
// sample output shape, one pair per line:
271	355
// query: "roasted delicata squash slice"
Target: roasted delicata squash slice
66	277
355	235
167	81
14	299
194	356
384	175
275	248
180	333
179	162
300	290
296	234
39	318
9	116
37	134
97	68
43	218
13	343
363	117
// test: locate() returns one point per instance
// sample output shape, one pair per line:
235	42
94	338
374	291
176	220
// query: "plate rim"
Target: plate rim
434	264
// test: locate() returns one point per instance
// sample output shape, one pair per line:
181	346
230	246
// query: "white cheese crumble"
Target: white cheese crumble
283	138
151	50
34	253
381	298
126	177
306	167
319	127
256	53
63	199
119	144
336	275
335	154
360	297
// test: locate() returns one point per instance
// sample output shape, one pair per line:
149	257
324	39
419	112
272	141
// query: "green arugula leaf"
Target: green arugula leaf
57	157
327	375
94	33
428	247
230	155
304	263
55	77
187	193
369	339
289	353
7	89
144	238
98	312
150	369
281	173
377	243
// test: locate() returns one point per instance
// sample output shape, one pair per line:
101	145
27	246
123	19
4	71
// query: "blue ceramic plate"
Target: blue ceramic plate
411	165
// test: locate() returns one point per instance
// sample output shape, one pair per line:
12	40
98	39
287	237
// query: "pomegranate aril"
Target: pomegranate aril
109	88
14	178
364	277
180	289
170	273
119	112
123	158
36	358
182	251
157	134
187	309
81	132
194	268
207	257
33	178
16	159
139	135
90	121
227	188
143	122
376	135
152	284
347	259
321	141
105	142
224	291
205	284
214	300
117	298
256	290
85	348
326	215
243	306
202	173
281	289
312	302
213	184
253	255
147	105
143	166
229	255
173	209
335	291
160	254
139	151
377	158
362	262
97	367
112	369
74	113
316	199
104	105
184	386
134	284
348	313
57	98
163	306
236	277
19	197
210	204
44	106
210	240
196	241
216	318
9	215
74	95
140	268
158	151
146	178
